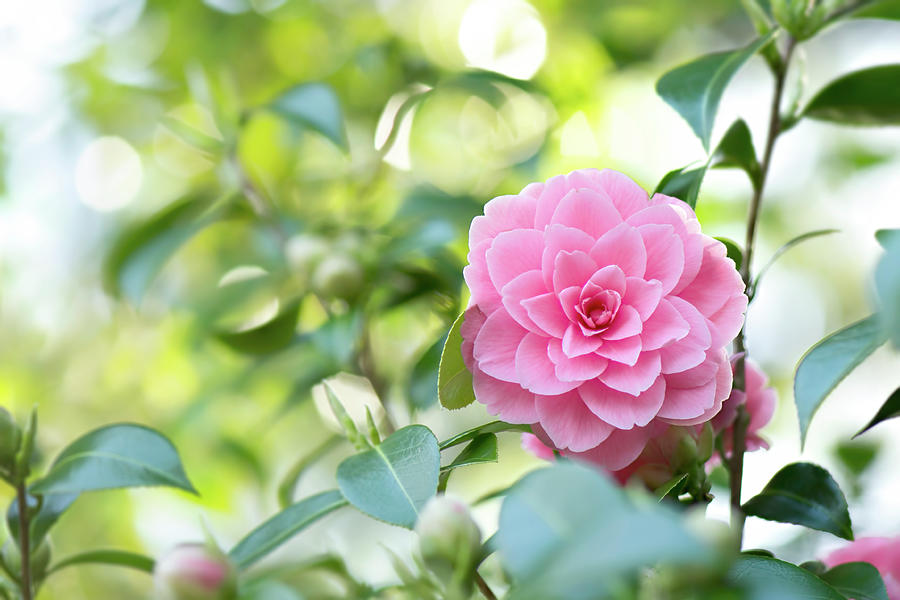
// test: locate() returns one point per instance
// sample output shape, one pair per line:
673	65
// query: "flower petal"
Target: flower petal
496	346
509	401
569	423
535	370
621	410
663	327
621	448
643	296
626	324
514	253
546	312
624	351
572	269
575	343
665	255
622	246
591	211
558	238
633	379
578	368
525	286
503	213
628	196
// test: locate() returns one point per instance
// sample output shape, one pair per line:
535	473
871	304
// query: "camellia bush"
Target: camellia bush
603	324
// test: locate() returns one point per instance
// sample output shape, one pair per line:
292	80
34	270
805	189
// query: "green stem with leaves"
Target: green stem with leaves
24	541
742	420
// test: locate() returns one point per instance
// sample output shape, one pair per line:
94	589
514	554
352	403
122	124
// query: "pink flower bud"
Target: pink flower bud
195	572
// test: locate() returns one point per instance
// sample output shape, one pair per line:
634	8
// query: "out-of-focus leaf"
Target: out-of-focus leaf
316	106
139	252
267	338
733	251
395	479
454	379
803	494
269	589
695	89
115	456
556	543
52	507
867	97
856	456
427	203
492	427
828	362
766	578
117	558
889	410
337	337
683	184
671	488
857	580
423	382
784	248
283	526
883	9
736	150
887	283
290	480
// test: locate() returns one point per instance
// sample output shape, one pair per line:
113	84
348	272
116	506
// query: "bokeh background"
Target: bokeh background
113	112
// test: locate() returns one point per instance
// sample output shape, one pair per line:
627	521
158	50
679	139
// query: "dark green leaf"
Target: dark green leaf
423	382
115	456
736	150
803	494
816	567
887	283
766	578
482	449
492	427
671	488
283	526
267	338
867	97
683	184
316	106
885	9
733	251
117	558
139	253
395	479
52	507
454	379
889	410
829	361
784	248
856	456
695	89
556	543
857	580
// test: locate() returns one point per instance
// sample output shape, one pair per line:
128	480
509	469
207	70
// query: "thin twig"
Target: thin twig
483	587
24	541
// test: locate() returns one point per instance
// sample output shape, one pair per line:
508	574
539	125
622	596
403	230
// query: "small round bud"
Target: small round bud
449	539
12	559
195	572
338	276
10	438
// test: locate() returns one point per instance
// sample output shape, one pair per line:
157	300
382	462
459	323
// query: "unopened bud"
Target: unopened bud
801	18
195	572
449	539
338	276
10	438
12	559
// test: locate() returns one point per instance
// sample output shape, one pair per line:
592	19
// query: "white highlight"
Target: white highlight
108	174
505	36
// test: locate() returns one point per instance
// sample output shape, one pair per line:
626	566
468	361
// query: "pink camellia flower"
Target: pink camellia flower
195	572
760	401
598	315
883	553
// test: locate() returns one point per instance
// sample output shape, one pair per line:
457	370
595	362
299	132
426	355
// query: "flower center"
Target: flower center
598	310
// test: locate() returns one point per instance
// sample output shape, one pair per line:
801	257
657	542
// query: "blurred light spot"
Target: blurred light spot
505	36
398	154
265	314
576	137
108	174
242	273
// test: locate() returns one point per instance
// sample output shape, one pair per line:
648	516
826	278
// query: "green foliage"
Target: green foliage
482	449
766	578
889	410
271	336
736	150
393	481
867	97
887	283
283	526
316	106
492	427
117	558
828	362
803	494
683	184
733	251
857	580
454	379
695	89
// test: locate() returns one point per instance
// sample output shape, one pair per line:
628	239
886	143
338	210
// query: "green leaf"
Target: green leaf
316	106
886	9
784	248
423	382
683	184
118	558
828	362
115	456
695	89
52	507
857	580
867	97
395	479
887	283
139	253
483	449
492	427
856	457
567	531
733	251
272	336
672	487
736	151
889	410
766	578
803	494
454	379
289	482
283	526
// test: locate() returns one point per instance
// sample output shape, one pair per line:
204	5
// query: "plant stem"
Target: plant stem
483	587
742	419
24	541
